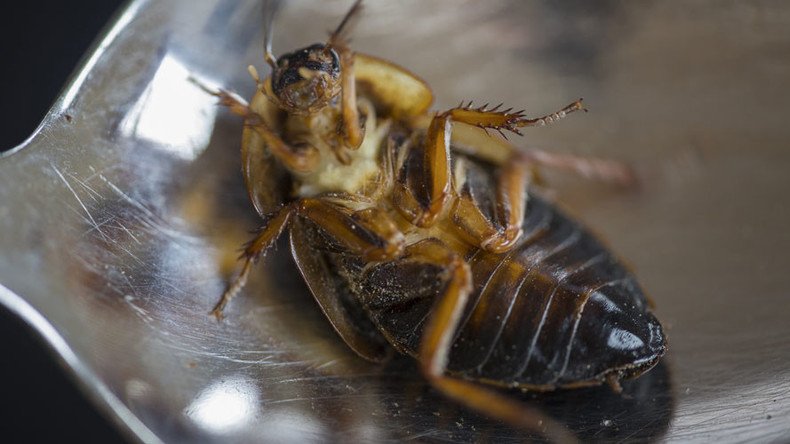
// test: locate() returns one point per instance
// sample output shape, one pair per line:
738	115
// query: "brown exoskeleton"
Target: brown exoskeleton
416	231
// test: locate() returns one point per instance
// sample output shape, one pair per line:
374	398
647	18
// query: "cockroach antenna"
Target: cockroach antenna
270	8
339	37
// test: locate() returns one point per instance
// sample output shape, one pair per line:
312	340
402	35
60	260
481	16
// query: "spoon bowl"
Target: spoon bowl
122	215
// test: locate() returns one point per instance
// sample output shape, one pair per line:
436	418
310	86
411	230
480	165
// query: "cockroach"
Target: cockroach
415	231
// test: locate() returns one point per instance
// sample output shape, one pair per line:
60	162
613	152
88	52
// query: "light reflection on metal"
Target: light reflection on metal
77	82
225	405
172	112
290	425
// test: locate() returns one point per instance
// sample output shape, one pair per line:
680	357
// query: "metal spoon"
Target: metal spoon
121	217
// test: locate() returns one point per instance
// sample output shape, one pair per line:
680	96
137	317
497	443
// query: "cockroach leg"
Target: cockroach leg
252	252
501	234
588	167
435	176
348	100
368	232
437	165
613	380
437	153
553	117
386	178
338	40
302	158
437	338
235	104
499	120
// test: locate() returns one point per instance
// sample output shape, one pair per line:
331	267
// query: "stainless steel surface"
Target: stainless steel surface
120	218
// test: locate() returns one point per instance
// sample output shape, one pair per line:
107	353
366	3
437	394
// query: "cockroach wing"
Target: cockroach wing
267	181
556	311
332	294
395	90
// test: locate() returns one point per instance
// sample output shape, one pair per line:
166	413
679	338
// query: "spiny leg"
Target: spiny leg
271	230
422	200
368	232
437	340
499	120
501	152
421	192
301	158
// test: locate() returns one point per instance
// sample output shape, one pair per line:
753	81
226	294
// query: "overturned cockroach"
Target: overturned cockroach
416	231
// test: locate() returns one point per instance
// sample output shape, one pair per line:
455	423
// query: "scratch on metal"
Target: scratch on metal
159	223
76	196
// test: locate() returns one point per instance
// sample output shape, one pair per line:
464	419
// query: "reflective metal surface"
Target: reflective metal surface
120	218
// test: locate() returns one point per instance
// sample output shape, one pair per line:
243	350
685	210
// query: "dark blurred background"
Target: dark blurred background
41	44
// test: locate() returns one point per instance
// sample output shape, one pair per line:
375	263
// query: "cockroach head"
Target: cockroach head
306	80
